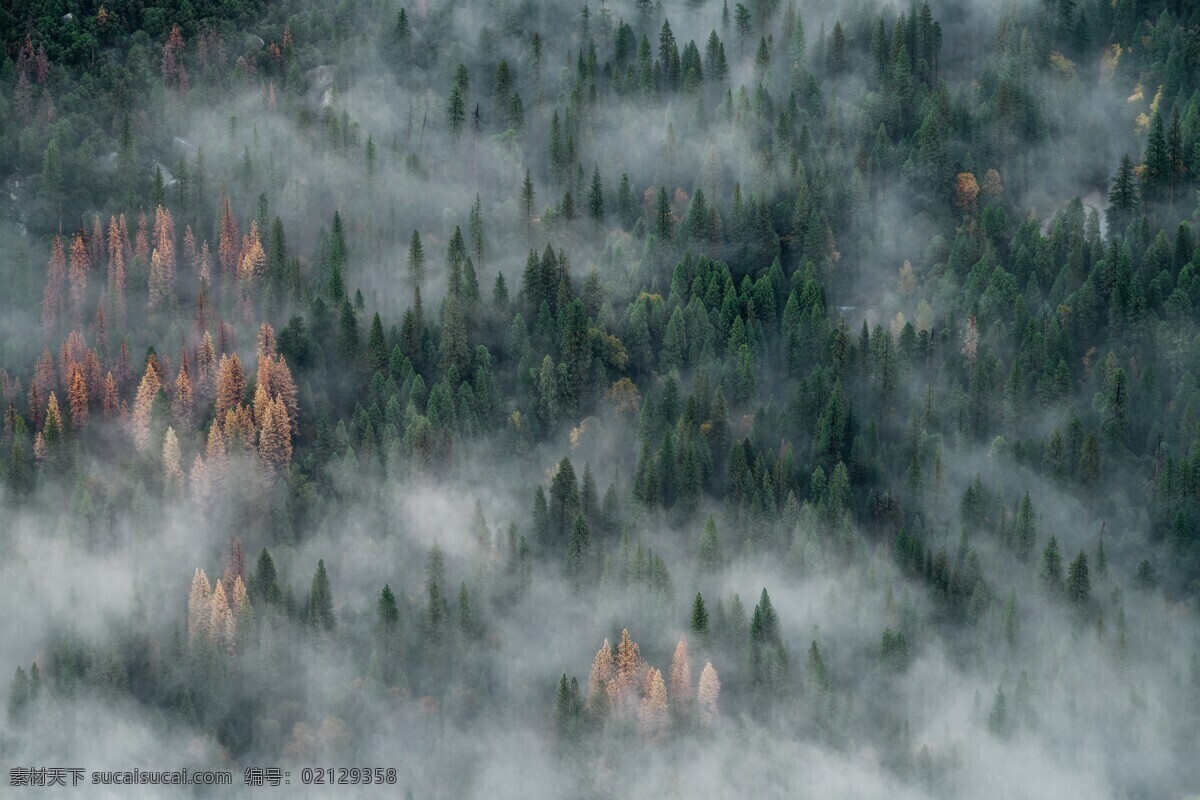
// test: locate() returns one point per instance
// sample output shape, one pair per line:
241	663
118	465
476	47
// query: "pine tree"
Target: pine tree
564	499
264	575
741	19
147	391
222	627
52	297
699	621
455	350
228	242
182	403
663	222
603	670
80	264
77	400
231	384
402	37
116	269
596	196
416	260
242	613
1089	462
1156	174
387	637
837	50
1026	535
629	671
503	82
377	349
199	607
456	112
18	696
436	610
578	551
527	202
764	624
1052	568
347	333
566	710
711	556
466	624
275	436
110	402
1176	157
998	721
320	600
1079	585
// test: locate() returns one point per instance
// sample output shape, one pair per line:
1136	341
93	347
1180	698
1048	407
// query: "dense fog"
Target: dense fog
539	399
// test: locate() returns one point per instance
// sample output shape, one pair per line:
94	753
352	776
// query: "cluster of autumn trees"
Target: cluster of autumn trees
208	390
622	686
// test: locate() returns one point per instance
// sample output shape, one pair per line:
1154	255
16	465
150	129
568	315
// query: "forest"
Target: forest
603	398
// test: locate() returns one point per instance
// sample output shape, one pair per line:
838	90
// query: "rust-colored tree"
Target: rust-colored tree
77	400
652	713
231	384
241	603
206	366
52	296
80	265
239	430
228	245
252	259
628	678
54	423
222	629
174	74
162	261
993	185
603	670
116	270
110	402
91	373
71	354
276	378
264	342
275	437
95	241
199	607
260	403
966	190
182	406
235	564
43	375
191	256
124	371
141	241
